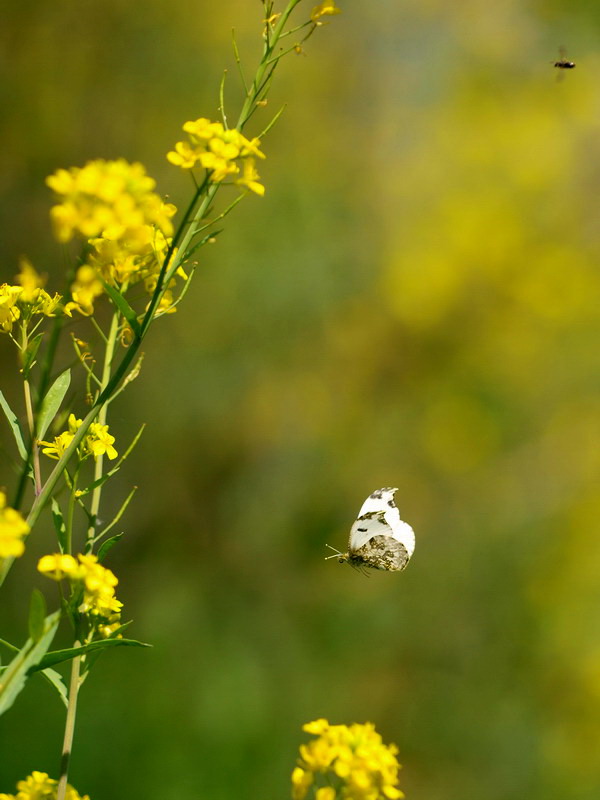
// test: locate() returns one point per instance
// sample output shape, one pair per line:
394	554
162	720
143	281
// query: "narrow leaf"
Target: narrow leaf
118	515
59	525
123	307
14	677
37	615
108	545
28	359
58	656
15	427
54	678
52	402
205	239
273	121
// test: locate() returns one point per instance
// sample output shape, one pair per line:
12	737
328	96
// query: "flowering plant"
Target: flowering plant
121	237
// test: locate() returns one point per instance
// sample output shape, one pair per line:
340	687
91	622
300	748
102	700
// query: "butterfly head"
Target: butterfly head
341	557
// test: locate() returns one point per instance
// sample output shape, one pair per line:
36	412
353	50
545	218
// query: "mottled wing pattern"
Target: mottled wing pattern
380	500
380	552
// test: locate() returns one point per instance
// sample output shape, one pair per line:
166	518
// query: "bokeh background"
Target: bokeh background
413	303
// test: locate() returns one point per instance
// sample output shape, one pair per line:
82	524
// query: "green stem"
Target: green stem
167	271
70	513
34	449
69	727
42	388
106	370
257	83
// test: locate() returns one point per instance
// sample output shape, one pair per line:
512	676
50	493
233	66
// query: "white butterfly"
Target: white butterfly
379	538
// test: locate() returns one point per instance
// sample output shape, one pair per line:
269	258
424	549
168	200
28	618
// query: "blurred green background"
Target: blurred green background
414	303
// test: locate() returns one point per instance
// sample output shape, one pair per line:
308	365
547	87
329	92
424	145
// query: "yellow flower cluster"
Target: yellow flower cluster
97	442
98	585
219	150
38	786
114	199
121	265
26	299
326	8
13	529
128	225
352	759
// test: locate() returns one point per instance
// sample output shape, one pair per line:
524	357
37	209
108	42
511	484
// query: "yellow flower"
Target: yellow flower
98	586
250	178
111	198
84	290
352	758
218	150
326	8
301	783
30	281
184	155
99	441
38	786
58	566
325	793
56	448
121	263
13	529
99	595
9	311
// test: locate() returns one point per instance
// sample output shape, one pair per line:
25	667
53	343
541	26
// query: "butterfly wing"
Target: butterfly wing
379	516
380	552
366	527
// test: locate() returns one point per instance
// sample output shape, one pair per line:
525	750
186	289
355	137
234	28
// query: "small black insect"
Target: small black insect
563	62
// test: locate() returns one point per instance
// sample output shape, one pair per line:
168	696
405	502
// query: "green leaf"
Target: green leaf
28	358
123	307
37	615
58	656
108	545
16	428
203	241
59	525
14	677
54	678
118	515
52	402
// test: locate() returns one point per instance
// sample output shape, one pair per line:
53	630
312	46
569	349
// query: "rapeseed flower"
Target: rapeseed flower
326	8
26	299
114	199
38	786
128	226
97	442
98	584
9	310
13	530
219	150
352	760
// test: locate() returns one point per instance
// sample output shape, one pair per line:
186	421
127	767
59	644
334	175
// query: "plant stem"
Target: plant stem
69	727
106	370
167	271
257	83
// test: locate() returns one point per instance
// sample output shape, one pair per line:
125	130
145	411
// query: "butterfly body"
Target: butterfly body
379	539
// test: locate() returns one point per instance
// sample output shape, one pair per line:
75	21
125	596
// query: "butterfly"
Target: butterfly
379	539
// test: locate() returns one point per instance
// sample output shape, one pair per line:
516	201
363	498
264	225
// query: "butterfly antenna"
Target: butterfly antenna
336	553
